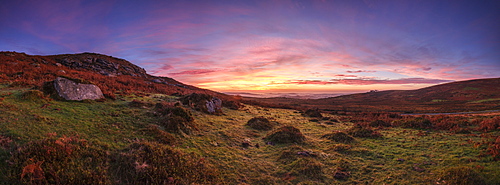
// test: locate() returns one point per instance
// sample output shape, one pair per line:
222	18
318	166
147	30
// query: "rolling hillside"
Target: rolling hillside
472	95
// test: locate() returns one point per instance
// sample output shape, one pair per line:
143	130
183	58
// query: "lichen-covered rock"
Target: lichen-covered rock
70	90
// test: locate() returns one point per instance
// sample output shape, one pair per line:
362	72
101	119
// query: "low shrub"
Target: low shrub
379	123
313	113
340	137
64	160
461	176
490	124
418	122
154	163
286	134
33	95
260	123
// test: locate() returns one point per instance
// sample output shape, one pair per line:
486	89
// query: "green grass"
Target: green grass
400	156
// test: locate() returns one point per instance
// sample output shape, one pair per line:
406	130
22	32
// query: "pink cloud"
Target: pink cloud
361	71
342	75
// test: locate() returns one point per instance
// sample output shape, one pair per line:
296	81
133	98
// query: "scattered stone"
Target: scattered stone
418	169
70	90
400	160
304	153
157	80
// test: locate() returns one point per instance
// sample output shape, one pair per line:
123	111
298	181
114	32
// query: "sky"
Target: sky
271	45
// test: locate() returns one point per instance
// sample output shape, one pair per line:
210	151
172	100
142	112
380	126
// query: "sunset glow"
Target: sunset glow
282	45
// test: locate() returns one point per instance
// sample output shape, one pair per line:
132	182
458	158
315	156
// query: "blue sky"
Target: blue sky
281	45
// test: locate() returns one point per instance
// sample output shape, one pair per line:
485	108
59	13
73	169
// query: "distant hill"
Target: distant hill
471	95
112	75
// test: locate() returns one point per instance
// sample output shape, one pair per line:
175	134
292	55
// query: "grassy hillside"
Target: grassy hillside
472	95
144	138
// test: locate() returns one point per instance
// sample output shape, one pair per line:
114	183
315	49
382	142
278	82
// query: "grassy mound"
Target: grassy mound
286	134
340	137
360	131
260	123
64	160
154	163
307	168
178	120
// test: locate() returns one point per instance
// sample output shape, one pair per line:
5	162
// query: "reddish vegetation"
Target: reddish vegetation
19	69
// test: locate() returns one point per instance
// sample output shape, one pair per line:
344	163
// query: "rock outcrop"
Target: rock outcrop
102	64
71	90
203	102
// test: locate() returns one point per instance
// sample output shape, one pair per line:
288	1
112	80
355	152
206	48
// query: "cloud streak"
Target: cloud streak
367	81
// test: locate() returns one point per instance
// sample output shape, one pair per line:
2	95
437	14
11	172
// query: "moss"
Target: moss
260	123
286	134
340	137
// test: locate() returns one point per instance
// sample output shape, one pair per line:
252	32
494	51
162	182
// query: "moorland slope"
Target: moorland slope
461	96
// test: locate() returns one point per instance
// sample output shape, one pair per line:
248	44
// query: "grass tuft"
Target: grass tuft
462	176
